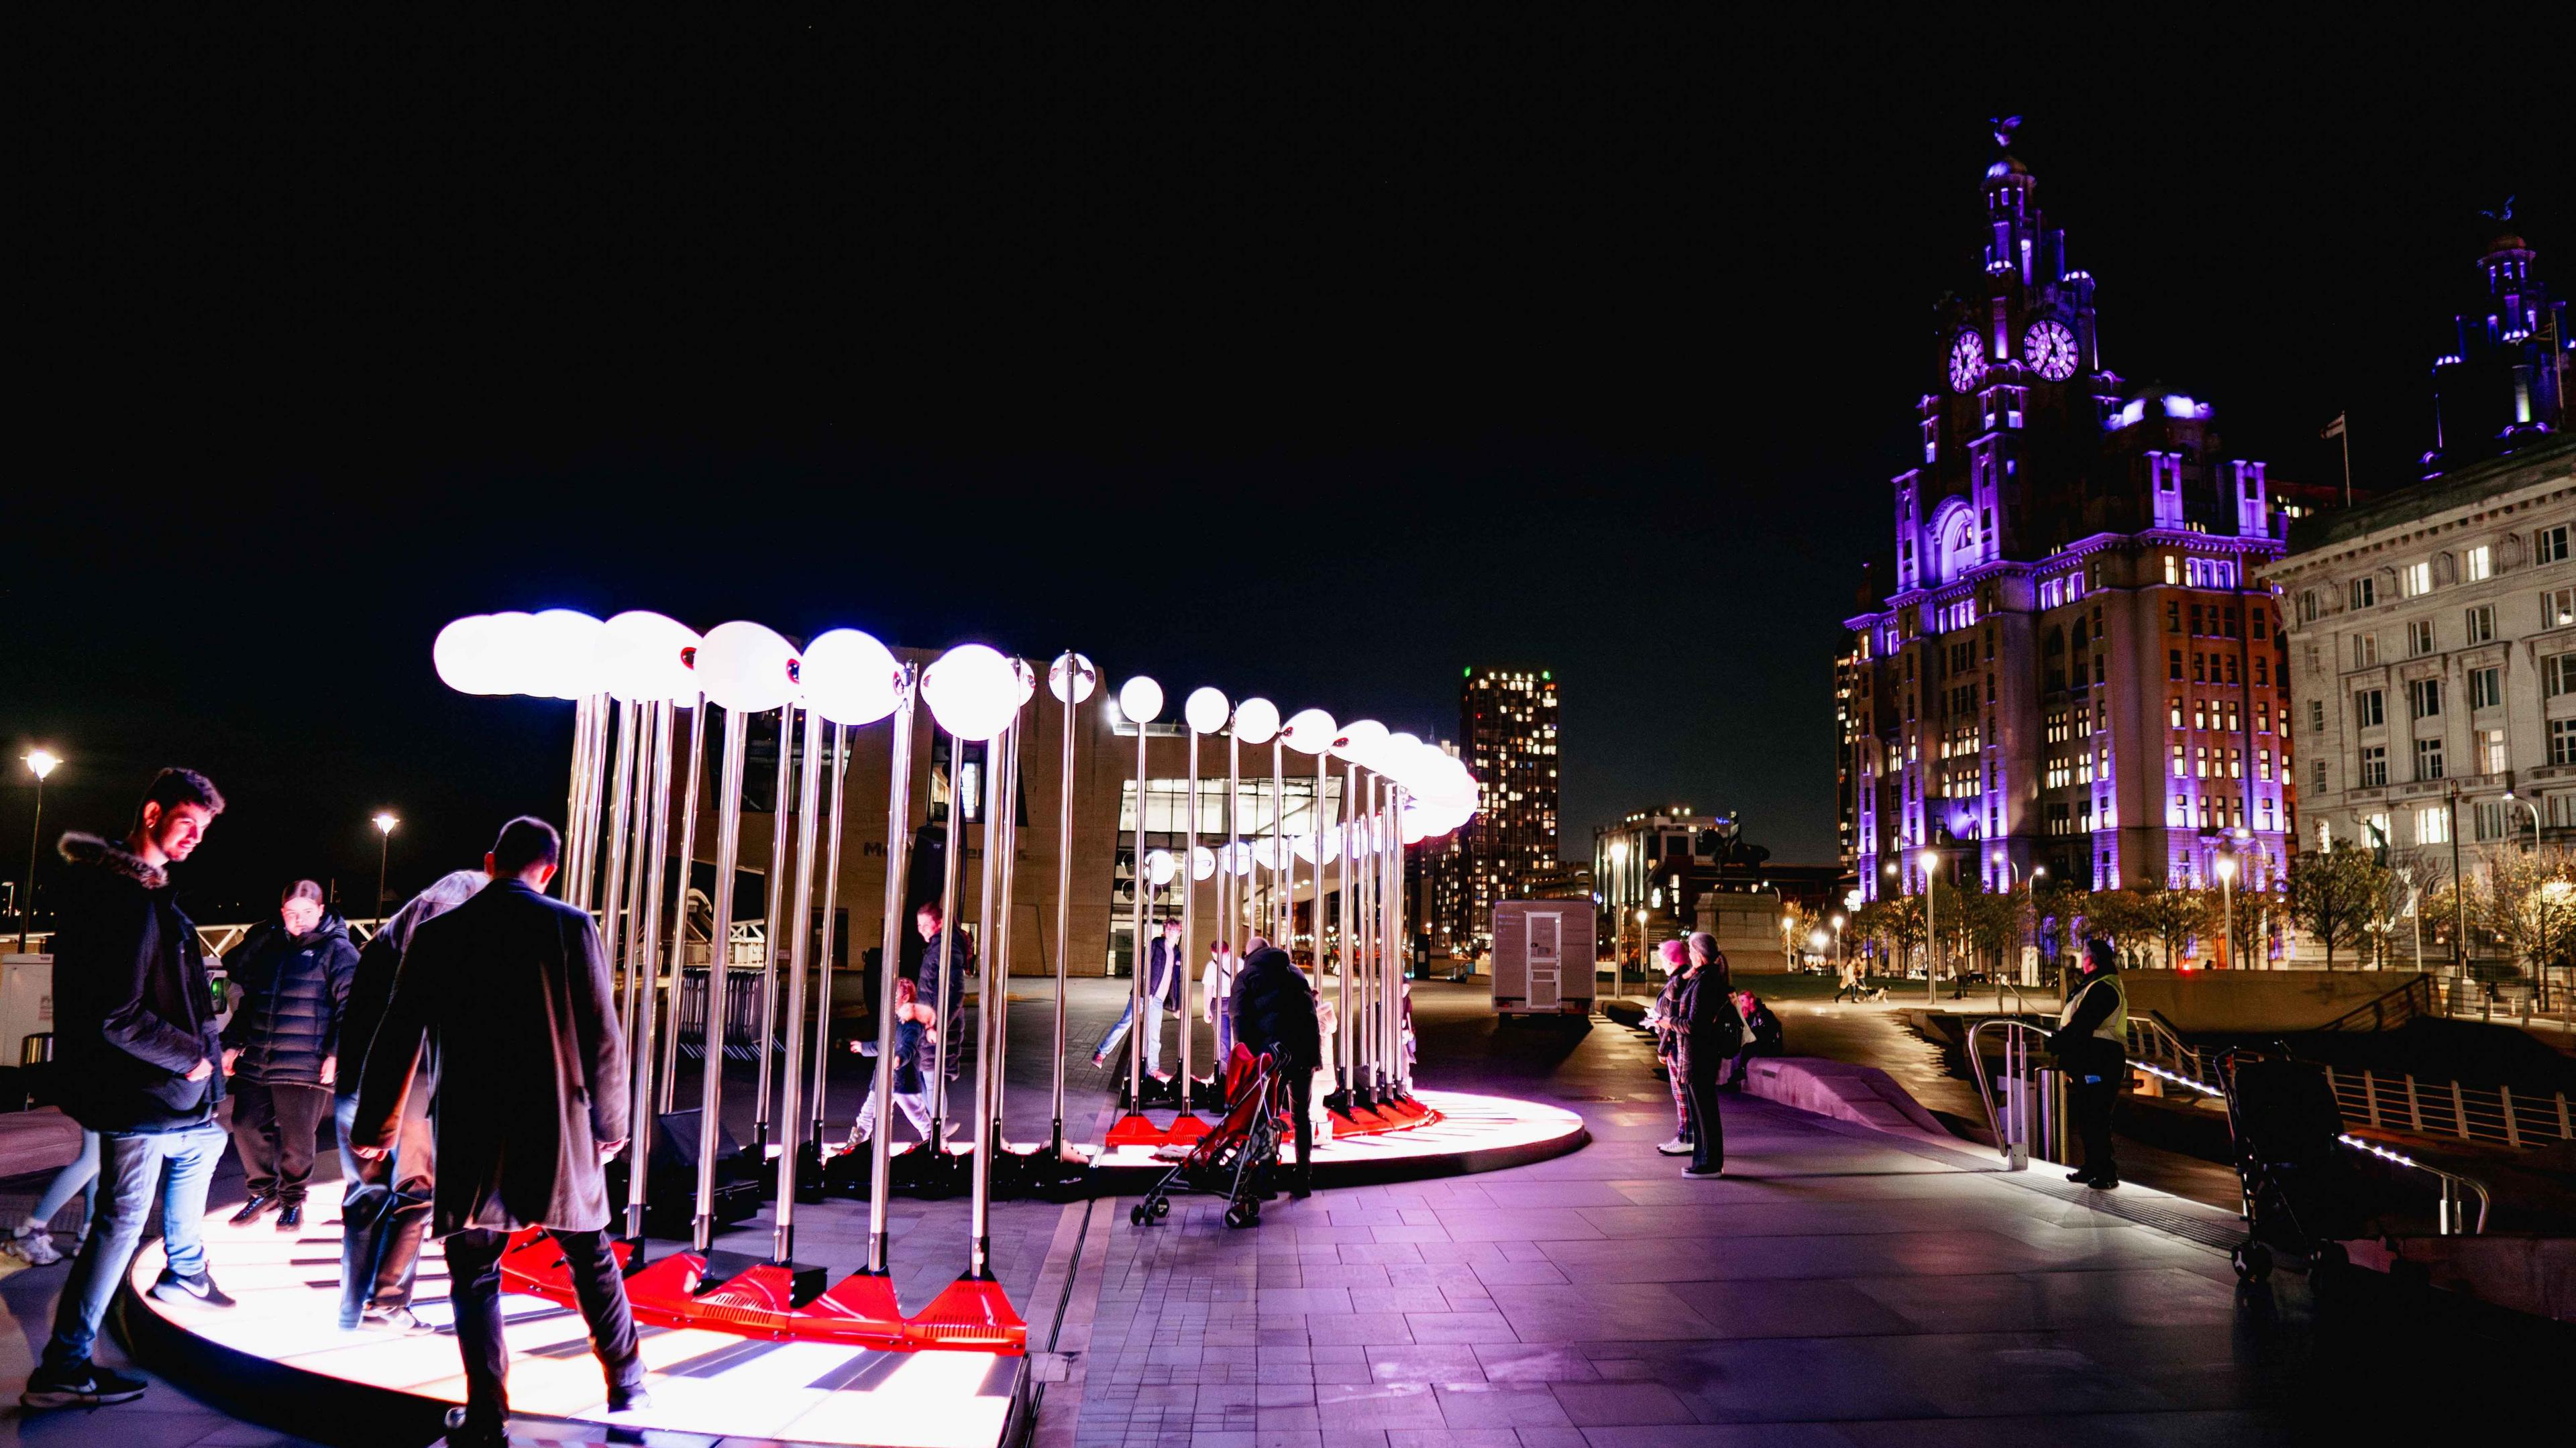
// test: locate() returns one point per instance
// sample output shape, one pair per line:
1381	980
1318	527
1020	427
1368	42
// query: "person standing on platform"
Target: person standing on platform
1713	1033
282	1048
135	1046
384	1203
1163	967
508	997
2091	1044
1216	989
1664	1018
1274	1011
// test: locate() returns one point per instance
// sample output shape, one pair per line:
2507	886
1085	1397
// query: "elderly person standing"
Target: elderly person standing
282	1047
1711	1035
1664	1018
508	995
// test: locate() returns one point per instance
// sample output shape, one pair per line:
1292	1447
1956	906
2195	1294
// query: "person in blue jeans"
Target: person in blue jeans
135	1044
33	1240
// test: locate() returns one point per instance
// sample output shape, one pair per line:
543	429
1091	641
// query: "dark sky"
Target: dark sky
1304	358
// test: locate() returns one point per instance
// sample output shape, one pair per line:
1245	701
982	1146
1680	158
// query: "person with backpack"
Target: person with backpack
1711	1036
1664	1018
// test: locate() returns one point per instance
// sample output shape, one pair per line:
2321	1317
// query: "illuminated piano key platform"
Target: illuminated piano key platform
1459	1132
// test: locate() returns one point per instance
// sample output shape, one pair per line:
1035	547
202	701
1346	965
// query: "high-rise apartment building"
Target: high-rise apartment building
2074	668
1507	736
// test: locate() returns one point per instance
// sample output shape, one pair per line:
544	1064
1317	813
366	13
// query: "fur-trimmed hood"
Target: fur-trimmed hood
113	857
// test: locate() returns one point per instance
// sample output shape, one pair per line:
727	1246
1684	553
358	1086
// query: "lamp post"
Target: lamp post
2224	867
1619	967
42	763
1931	933
385	822
1788	941
2511	798
1838	945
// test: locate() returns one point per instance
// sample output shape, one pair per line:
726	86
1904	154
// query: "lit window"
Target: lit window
2478	564
2415	579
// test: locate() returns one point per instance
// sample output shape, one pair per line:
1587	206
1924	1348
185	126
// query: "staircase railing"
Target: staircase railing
2433	1109
2390	1011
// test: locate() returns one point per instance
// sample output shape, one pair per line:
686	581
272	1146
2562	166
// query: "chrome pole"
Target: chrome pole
997	1008
711	1086
831	918
1189	912
634	832
1283	900
582	710
934	967
782	1239
680	902
1236	905
1136	975
639	1121
979	1239
1323	767
1063	892
773	929
1349	916
1398	956
591	800
890	961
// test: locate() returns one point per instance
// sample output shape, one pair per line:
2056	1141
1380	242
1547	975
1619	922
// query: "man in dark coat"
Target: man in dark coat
1712	1032
1274	1011
134	1047
509	996
2091	1044
384	1203
282	1048
917	1032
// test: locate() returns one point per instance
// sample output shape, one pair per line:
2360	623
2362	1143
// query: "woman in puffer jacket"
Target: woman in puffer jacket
282	1047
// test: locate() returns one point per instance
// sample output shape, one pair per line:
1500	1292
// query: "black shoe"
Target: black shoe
1703	1171
1301	1190
2104	1182
464	1433
629	1400
82	1385
199	1290
290	1217
259	1202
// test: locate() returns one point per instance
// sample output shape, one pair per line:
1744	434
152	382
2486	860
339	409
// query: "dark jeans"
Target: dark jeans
275	1125
1301	1102
2092	1087
384	1210
474	1292
131	1167
1708	1132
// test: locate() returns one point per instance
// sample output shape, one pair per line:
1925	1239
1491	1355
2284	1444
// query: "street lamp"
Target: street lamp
1619	968
2509	798
385	822
2224	867
1931	934
43	764
1838	945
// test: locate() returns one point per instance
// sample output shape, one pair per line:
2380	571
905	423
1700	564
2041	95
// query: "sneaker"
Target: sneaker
79	1385
629	1399
392	1319
200	1289
250	1210
32	1245
463	1433
290	1218
1703	1171
1674	1147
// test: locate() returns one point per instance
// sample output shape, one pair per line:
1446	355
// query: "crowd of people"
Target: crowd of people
469	1054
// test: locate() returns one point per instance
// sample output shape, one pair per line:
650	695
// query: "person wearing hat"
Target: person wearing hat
2091	1043
1712	1033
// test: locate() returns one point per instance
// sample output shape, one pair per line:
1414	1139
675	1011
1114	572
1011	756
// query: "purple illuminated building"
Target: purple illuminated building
2500	382
2074	669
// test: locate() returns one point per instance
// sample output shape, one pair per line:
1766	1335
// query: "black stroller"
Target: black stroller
1234	1158
2302	1196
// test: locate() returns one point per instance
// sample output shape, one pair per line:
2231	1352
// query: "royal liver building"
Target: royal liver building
2075	669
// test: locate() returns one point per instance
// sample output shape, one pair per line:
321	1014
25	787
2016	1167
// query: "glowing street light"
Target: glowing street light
385	822
42	763
1931	933
2224	867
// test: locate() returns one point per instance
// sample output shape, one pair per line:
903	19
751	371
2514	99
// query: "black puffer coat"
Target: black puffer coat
1274	1010
294	989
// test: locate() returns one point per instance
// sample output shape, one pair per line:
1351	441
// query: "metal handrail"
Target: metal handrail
2447	1222
2012	1146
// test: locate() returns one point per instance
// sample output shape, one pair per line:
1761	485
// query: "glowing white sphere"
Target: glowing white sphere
563	655
747	667
1140	700
1255	720
1308	731
972	691
1206	709
468	655
644	656
1304	845
851	678
1160	867
1236	858
1072	678
1202	862
1261	853
1360	740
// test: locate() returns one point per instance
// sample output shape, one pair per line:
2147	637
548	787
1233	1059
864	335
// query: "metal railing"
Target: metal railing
2030	1120
2387	1012
2152	1038
2450	1184
2433	1109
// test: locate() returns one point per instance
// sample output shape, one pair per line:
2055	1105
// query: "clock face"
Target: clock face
1967	361
2050	350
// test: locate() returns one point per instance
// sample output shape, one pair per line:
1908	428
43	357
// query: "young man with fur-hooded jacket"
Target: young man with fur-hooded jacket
135	1047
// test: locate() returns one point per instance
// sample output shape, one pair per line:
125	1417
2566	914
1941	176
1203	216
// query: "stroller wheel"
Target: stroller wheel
2253	1261
1136	1214
1241	1216
1162	1207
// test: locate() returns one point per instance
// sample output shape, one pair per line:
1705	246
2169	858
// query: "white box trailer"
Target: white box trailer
1544	957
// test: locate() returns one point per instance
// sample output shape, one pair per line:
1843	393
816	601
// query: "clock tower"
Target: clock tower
2071	672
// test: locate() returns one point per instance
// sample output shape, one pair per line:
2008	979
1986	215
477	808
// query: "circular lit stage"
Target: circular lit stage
280	1358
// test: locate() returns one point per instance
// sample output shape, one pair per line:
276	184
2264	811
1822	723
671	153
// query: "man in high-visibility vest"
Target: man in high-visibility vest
2092	1046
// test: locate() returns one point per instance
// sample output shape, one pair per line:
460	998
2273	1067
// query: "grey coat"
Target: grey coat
509	994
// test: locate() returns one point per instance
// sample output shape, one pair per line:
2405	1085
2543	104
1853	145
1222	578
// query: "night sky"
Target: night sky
1299	359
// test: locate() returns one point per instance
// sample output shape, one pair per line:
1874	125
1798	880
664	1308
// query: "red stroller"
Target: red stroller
1234	1159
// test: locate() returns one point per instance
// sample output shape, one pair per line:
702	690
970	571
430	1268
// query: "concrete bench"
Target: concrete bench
40	1140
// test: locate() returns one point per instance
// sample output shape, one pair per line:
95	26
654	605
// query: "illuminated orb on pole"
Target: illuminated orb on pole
565	653
1360	741
1202	862
973	691
1255	720
1072	678
851	678
644	657
1140	700
1308	731
1160	867
1206	710
747	667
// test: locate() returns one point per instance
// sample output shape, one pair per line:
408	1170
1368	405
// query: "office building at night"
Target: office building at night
2074	666
1507	736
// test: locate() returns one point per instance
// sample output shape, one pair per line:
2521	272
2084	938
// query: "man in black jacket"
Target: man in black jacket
2091	1044
384	1203
282	1048
508	996
134	1048
1274	1011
